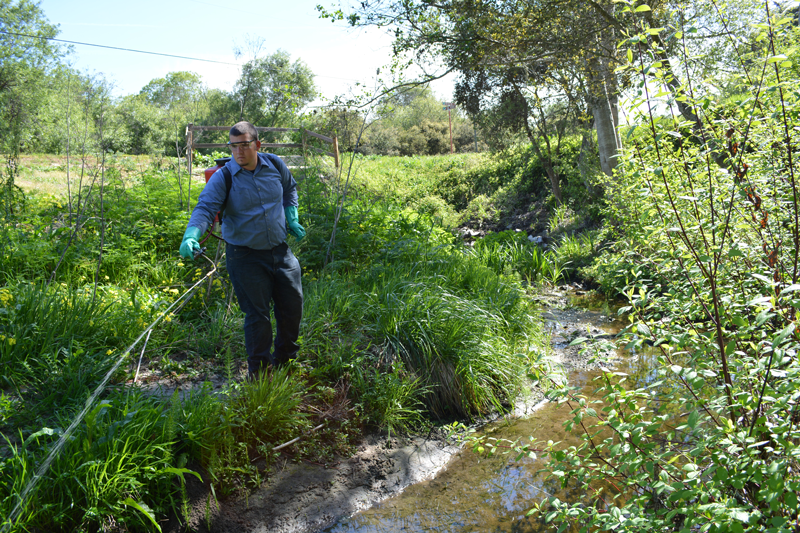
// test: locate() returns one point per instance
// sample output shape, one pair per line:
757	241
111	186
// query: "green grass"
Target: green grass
452	323
402	326
123	449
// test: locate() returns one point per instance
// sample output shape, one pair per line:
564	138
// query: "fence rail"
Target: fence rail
191	145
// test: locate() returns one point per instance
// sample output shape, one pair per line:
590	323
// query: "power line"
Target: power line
118	48
145	52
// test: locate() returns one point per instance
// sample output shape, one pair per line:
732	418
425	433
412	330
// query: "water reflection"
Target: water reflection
476	494
493	494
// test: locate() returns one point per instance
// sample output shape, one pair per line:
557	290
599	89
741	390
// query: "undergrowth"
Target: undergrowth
403	326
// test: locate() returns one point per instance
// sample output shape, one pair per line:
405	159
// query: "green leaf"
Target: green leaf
730	348
784	333
790	499
642	8
694	416
775	59
142	508
41	432
791	288
739	321
180	472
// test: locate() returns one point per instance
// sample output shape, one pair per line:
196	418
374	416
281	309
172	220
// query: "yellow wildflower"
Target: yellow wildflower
12	342
109	352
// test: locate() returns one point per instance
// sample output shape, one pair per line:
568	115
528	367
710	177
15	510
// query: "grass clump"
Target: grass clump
438	318
122	449
402	326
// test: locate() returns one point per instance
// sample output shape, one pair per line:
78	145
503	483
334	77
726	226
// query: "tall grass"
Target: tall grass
122	450
510	253
44	329
453	323
404	324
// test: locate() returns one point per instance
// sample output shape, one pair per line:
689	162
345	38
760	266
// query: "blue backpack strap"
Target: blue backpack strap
272	158
226	173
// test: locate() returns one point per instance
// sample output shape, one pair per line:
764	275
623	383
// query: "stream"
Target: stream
493	494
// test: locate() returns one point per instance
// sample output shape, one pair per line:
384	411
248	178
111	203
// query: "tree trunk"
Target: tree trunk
587	149
606	134
546	159
603	100
547	163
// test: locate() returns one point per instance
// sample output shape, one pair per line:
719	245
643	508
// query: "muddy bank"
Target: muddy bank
305	497
309	497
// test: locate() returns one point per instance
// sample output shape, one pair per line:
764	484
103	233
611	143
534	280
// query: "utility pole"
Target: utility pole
450	106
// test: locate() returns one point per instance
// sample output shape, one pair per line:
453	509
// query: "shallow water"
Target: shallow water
493	494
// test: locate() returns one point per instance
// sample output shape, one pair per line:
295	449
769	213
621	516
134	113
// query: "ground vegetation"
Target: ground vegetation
81	284
418	271
705	251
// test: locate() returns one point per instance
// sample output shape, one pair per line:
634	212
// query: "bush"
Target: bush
708	263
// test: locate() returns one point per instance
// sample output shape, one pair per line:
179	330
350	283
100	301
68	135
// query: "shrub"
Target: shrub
708	264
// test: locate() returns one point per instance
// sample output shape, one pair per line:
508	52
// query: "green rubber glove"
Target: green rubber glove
190	244
292	222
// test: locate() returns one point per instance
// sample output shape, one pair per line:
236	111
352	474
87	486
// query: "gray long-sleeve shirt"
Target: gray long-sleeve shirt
254	215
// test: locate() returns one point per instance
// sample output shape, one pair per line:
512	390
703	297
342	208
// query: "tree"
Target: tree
143	128
503	49
524	48
272	90
508	99
413	121
25	56
181	96
340	122
710	262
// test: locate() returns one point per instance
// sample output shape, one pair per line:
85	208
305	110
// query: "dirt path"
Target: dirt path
304	497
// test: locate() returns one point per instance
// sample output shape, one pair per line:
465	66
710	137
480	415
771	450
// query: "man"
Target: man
261	207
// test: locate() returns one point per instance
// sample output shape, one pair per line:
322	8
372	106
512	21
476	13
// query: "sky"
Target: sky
339	56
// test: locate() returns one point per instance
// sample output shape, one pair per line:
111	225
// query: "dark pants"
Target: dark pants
259	278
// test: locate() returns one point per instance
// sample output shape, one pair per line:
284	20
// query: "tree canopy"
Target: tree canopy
25	56
273	88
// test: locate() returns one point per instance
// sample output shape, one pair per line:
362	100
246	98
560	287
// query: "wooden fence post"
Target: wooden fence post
189	153
305	154
336	151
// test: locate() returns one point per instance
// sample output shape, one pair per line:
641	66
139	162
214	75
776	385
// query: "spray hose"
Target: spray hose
42	470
